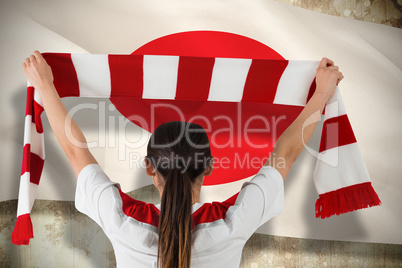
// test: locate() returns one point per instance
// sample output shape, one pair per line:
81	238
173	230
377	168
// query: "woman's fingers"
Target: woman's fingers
328	76
32	58
37	55
330	61
37	70
340	77
325	62
333	67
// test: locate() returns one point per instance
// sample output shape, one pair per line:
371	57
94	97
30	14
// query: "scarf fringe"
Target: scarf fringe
346	199
23	230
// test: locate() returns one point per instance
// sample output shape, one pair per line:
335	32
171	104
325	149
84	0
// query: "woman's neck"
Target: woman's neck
196	187
196	193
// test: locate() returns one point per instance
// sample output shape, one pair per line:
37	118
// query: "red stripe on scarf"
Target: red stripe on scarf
38	109
64	74
29	106
194	78
346	199
23	230
126	75
257	87
26	158
36	168
336	132
32	163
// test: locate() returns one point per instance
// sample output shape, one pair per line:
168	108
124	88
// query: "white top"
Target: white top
221	228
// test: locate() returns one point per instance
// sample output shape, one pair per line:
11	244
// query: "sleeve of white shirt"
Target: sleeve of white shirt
93	186
258	201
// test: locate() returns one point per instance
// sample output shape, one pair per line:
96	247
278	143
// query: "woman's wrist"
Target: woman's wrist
322	96
45	87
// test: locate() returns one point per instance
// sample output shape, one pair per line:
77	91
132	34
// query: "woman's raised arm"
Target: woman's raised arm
67	132
291	143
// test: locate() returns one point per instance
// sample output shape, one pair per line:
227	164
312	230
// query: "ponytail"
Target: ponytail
175	221
187	143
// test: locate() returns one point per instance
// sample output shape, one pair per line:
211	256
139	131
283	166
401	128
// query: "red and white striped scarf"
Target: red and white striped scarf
210	87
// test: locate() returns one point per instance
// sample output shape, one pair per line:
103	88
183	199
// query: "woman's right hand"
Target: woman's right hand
327	78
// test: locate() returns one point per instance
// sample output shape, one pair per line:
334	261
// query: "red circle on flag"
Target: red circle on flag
234	155
208	44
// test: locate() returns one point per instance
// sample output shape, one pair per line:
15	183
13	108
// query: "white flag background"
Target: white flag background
368	54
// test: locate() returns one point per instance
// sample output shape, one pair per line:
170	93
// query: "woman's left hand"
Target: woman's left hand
37	71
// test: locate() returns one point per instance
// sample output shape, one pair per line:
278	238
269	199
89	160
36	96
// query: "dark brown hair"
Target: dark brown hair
180	152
